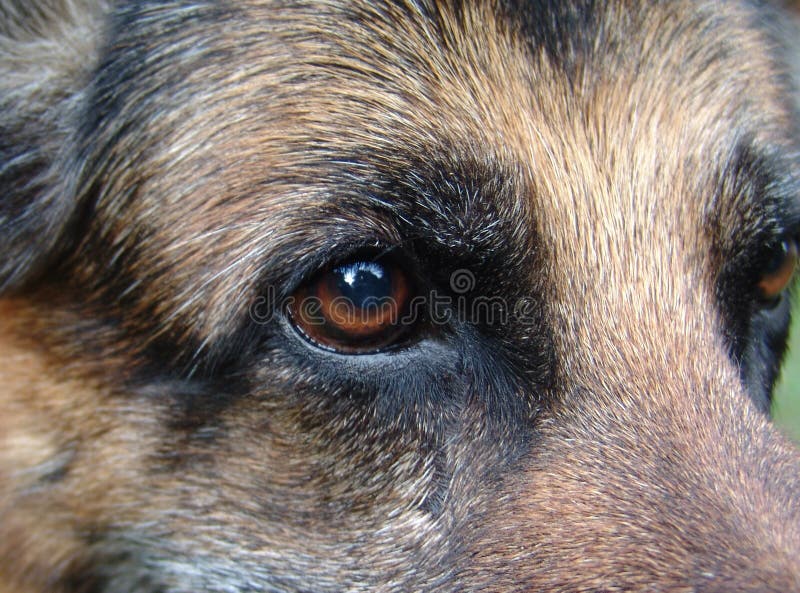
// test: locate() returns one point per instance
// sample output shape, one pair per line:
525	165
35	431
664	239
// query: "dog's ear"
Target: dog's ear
48	50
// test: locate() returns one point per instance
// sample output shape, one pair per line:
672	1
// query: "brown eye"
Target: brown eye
779	273
353	308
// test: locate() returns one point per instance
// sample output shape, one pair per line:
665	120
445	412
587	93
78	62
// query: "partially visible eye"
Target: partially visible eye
778	274
354	308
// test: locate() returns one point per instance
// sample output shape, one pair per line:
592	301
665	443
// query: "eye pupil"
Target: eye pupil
363	283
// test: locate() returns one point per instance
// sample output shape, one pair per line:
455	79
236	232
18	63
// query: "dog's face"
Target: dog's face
410	296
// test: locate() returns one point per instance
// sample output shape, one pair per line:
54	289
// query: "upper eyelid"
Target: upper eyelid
326	256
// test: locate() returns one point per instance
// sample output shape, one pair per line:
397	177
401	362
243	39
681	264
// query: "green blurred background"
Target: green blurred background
786	405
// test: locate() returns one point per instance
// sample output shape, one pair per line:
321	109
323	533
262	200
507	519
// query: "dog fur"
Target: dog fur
624	169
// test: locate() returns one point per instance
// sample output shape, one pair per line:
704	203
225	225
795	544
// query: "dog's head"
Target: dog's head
409	296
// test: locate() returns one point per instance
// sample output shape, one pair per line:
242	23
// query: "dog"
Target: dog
419	295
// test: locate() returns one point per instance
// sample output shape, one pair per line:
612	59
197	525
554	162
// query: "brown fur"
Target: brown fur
620	166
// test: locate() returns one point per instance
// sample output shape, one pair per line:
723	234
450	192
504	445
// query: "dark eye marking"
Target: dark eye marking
755	226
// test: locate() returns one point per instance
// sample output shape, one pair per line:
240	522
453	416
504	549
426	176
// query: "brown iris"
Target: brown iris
779	273
353	308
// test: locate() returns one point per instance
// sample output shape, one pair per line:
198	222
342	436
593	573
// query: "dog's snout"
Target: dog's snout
670	480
